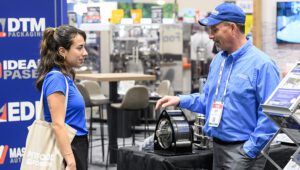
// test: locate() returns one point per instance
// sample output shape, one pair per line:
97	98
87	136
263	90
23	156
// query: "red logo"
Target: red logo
2	25
3	152
3	113
2	34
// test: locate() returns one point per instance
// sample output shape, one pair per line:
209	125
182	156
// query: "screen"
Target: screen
288	22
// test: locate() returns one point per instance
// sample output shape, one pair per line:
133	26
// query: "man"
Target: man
241	78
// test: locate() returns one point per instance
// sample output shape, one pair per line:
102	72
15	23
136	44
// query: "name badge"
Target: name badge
215	114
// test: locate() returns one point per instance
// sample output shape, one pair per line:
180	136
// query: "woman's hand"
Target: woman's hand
71	166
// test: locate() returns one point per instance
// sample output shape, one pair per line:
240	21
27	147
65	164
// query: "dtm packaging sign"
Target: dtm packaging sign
22	27
21	30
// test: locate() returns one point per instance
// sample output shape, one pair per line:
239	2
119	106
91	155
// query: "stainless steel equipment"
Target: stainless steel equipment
174	47
153	49
201	141
135	46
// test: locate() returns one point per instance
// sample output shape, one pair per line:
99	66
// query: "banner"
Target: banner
248	23
157	14
21	26
136	15
93	14
116	16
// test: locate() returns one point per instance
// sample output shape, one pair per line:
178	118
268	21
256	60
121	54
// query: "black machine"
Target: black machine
173	134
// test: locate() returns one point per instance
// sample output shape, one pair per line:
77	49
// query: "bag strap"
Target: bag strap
40	111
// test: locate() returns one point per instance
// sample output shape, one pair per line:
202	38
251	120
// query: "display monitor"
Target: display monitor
288	22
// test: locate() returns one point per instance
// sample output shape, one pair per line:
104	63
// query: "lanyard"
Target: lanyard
219	80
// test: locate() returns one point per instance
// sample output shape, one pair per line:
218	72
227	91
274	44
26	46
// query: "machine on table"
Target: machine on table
282	107
175	136
172	147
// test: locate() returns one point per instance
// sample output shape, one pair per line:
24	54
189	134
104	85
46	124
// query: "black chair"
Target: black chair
136	99
91	102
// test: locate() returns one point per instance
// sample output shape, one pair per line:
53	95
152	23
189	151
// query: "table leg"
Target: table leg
112	124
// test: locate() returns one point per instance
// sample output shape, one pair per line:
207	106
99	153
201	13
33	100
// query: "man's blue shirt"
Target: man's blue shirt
253	78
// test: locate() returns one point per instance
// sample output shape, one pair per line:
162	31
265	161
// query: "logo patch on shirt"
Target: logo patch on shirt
243	76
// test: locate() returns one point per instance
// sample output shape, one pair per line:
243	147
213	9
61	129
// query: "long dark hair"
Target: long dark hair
53	38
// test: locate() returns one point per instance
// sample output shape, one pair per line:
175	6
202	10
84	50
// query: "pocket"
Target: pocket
243	153
240	88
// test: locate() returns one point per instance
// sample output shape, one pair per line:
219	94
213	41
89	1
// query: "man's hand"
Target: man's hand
167	101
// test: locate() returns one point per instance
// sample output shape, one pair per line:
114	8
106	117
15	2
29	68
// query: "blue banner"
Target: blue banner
21	26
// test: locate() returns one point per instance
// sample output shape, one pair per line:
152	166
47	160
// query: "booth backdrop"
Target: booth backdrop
21	26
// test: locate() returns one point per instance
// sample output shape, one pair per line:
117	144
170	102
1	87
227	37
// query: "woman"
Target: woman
62	49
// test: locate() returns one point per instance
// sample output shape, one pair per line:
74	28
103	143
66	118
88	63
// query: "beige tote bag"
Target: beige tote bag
42	152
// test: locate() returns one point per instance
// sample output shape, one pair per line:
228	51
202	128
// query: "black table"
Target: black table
130	158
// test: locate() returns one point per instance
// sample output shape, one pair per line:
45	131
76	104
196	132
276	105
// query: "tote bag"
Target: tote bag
42	151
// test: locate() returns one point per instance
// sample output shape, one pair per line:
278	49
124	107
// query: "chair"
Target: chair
92	95
136	99
163	89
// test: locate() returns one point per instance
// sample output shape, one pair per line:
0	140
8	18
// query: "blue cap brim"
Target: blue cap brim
209	21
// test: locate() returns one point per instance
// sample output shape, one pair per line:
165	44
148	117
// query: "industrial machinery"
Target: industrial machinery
162	50
156	49
173	134
201	141
92	61
201	56
135	48
282	107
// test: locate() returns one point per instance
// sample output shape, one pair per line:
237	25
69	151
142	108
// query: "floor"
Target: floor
97	158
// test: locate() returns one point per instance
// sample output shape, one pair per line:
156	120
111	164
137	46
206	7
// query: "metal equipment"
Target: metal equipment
174	48
156	49
201	56
201	141
173	135
135	46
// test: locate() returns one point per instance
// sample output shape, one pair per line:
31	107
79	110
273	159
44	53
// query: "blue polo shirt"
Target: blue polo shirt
253	78
75	116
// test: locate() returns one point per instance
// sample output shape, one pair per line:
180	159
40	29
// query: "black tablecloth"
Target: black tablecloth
130	158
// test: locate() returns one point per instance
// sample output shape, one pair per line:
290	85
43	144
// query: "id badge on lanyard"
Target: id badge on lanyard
217	107
215	114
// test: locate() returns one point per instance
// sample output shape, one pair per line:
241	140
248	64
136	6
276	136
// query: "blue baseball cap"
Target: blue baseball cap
224	12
